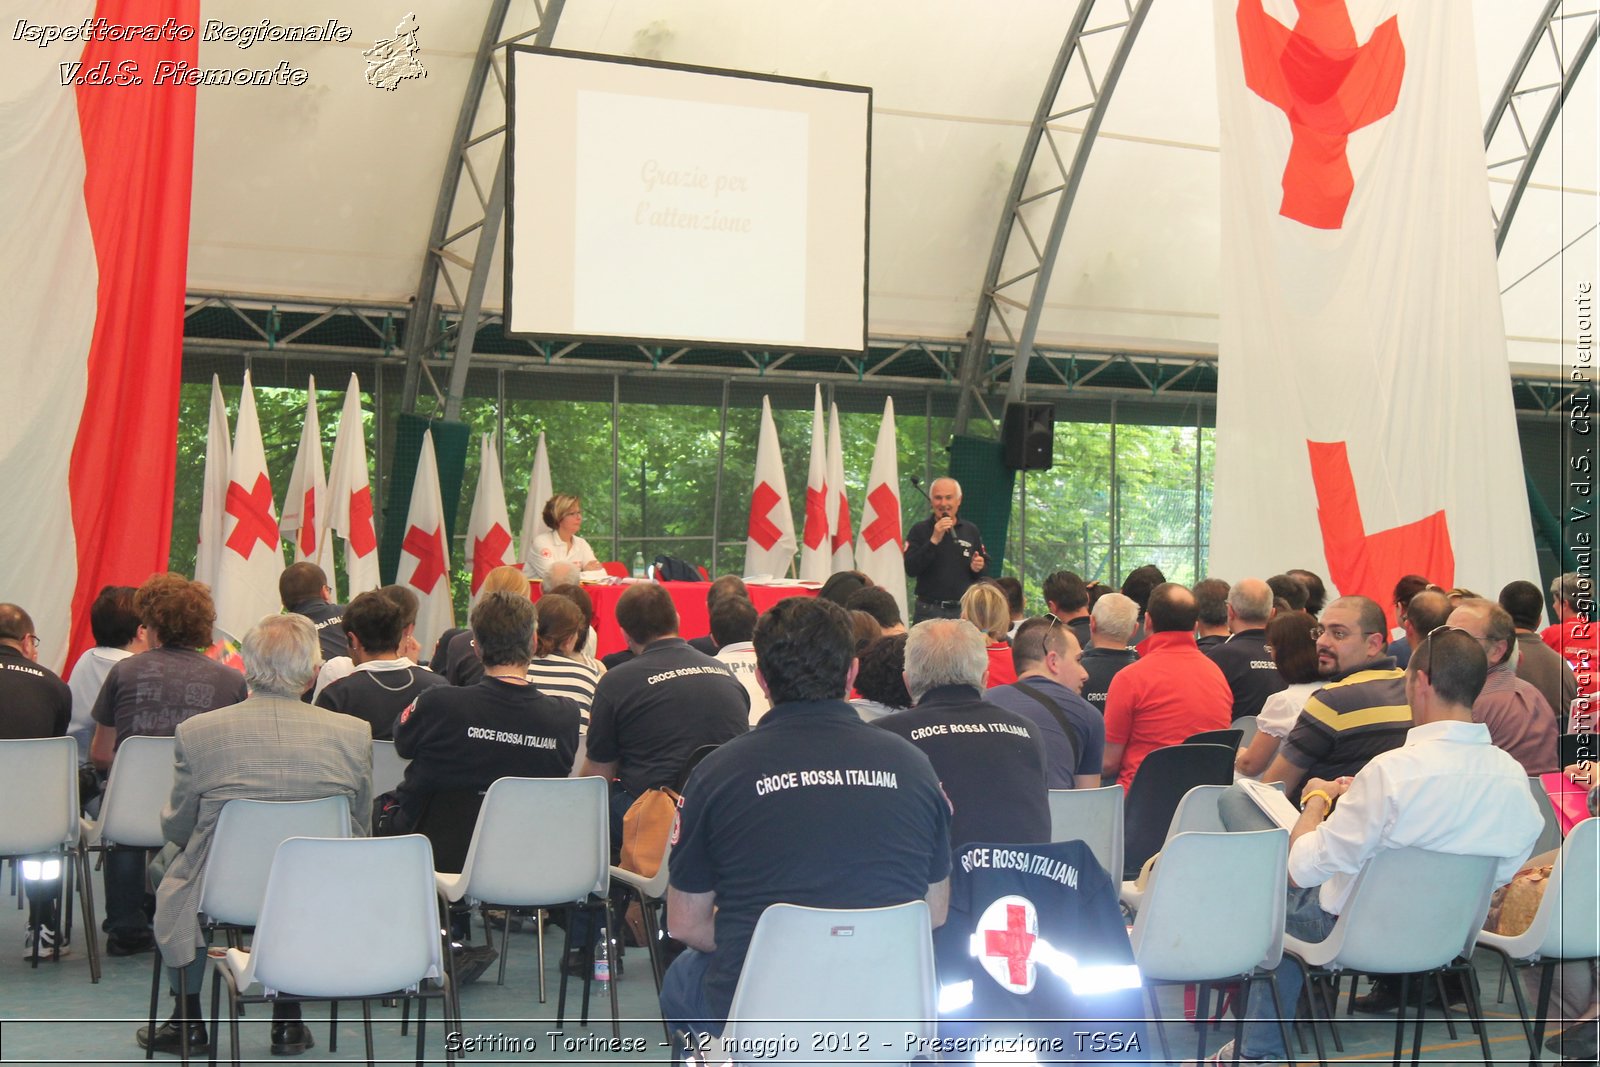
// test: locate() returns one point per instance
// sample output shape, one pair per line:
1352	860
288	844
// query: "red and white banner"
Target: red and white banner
540	490
94	217
769	544
1365	426
252	552
844	556
305	504
350	497
214	492
489	528
425	551
881	550
816	540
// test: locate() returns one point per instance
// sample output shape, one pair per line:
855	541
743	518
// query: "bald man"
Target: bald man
944	553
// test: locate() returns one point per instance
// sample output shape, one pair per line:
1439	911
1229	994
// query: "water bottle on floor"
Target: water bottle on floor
602	964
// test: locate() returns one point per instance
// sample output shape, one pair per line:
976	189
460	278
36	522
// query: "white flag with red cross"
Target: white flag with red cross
816	539
350	498
252	553
769	545
489	528
214	491
880	551
305	505
425	550
1360	304
540	490
843	541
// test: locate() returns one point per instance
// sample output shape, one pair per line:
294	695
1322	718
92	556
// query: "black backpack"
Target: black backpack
673	569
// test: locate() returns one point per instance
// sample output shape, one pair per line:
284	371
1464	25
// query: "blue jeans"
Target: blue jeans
127	899
683	995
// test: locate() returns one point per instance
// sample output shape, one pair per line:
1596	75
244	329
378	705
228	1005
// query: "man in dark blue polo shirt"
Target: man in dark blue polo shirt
812	807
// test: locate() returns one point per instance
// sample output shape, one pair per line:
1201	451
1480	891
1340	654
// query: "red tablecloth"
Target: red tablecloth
690	599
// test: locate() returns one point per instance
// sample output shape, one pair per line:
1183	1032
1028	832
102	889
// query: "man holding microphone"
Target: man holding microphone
944	553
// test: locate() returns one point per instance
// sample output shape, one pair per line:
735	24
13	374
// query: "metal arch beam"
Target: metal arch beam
1570	65
990	297
420	333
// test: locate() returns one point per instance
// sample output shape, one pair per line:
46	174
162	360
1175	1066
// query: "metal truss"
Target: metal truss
460	257
1079	85
1532	97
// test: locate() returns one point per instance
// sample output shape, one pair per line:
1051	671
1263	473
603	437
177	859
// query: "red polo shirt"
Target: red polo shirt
1578	641
1171	692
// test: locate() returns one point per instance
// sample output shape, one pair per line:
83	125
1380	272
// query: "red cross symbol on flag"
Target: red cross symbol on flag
1010	945
489	552
1328	87
763	531
253	509
816	516
841	536
428	548
362	538
308	525
885	525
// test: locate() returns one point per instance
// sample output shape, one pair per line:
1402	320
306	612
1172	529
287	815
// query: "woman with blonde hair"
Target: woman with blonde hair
985	606
457	654
560	543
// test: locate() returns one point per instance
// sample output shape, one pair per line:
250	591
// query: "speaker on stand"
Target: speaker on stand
1028	435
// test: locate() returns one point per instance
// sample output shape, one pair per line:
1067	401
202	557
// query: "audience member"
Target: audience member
403	598
461	665
303	589
880	604
1519	718
944	553
1359	712
1448	789
864	628
149	695
588	642
1316	592
840	586
728	585
1067	598
1111	627
1289	589
1137	586
1537	662
1294	651
1245	659
557	669
1574	636
990	761
118	634
1211	613
1013	591
881	680
984	606
270	746
1424	613
733	625
840	816
1173	691
1049	681
382	683
1400	643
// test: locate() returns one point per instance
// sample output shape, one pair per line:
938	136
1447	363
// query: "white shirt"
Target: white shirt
1282	708
1447	789
741	660
88	675
343	667
547	549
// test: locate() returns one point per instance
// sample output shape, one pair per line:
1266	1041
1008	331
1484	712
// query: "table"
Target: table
688	597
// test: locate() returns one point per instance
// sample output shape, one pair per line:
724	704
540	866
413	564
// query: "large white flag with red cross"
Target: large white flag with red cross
881	552
540	490
425	550
305	504
489	528
214	489
816	538
844	556
350	497
1365	426
769	543
252	552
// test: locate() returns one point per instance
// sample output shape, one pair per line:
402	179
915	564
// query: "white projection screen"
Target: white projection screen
654	202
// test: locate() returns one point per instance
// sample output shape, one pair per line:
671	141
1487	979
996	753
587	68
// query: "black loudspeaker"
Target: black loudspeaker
1029	436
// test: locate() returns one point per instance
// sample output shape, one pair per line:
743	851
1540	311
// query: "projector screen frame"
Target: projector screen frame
677	342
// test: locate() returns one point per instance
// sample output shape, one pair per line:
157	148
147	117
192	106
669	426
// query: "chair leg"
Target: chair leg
422	1024
155	1000
366	1029
216	1018
652	919
566	950
538	929
505	943
1202	1012
405	1016
610	929
1400	1017
91	928
1277	1008
1155	1017
1311	1014
1416	1031
233	1021
1444	1003
183	1006
1241	1013
333	1026
1541	1015
1506	969
1330	1003
1469	983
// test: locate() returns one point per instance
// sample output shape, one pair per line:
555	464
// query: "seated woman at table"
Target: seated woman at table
563	514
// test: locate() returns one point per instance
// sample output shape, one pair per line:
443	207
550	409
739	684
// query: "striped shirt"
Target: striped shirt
1353	718
561	676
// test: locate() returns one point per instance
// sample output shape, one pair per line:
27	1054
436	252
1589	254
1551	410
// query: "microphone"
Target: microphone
916	483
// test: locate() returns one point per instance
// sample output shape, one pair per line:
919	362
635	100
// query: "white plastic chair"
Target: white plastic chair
1565	927
652	894
540	842
388	769
41	819
318	937
1411	911
1196	814
869	970
1248	726
1093	816
1213	912
1550	837
139	787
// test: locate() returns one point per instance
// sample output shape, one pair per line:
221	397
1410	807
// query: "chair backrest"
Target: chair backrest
1571	903
1197	812
320	934
1412	910
615	568
247	835
690	764
1549	837
1163	778
1230	737
870	969
1247	727
41	783
447	819
387	768
1093	816
541	841
139	787
1214	906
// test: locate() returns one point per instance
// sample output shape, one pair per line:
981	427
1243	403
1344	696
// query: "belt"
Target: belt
942	604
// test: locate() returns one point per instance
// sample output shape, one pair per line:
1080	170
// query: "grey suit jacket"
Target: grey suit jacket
266	748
